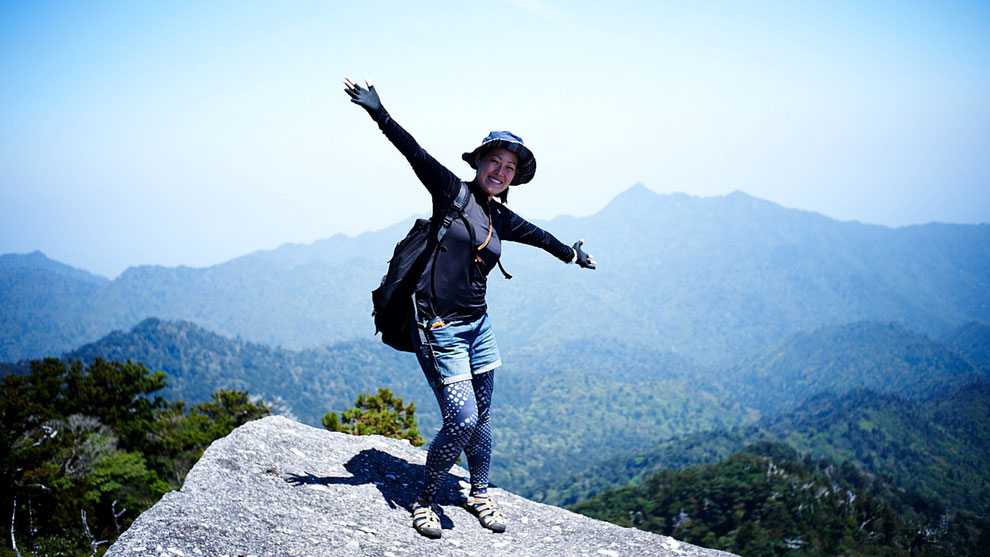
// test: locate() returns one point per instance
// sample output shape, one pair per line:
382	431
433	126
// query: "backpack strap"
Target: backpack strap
456	210
501	268
498	207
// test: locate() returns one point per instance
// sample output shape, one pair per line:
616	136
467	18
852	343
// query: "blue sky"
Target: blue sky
189	133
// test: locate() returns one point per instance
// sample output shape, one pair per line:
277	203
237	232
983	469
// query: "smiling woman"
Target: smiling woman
496	170
451	333
500	152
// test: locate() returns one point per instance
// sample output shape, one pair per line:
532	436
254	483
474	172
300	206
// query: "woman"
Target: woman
453	339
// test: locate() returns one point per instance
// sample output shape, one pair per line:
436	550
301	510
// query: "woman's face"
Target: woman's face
496	169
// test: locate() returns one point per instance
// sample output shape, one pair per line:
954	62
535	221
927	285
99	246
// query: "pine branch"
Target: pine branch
93	544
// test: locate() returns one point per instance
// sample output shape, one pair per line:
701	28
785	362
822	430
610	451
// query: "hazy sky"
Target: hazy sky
189	133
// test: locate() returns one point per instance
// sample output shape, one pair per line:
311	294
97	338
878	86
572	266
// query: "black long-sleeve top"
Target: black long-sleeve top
454	282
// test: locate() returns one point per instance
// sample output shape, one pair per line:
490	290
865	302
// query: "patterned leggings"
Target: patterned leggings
466	427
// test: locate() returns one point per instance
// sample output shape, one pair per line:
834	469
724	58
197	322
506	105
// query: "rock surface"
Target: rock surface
278	487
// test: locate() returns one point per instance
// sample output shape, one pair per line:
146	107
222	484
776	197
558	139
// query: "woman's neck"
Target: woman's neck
475	187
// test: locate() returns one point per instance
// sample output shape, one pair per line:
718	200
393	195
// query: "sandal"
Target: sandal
425	520
484	508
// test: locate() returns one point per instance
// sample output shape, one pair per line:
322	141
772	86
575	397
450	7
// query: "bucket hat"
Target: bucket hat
506	140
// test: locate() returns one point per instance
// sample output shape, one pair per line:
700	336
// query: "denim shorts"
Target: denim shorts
453	351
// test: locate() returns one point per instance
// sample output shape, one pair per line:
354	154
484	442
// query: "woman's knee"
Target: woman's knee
458	406
466	418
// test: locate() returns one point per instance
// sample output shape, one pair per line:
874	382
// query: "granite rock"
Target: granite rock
278	487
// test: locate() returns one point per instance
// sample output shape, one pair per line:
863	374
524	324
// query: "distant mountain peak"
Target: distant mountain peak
639	199
38	260
740	193
717	277
636	192
638	195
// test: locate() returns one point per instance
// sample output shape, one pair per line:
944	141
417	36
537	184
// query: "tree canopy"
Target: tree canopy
379	414
86	449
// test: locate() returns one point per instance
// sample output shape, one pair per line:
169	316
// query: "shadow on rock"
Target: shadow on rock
397	480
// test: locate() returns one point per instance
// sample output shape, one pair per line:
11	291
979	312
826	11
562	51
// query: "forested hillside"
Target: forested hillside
972	342
559	408
564	407
770	500
42	308
570	407
884	357
924	447
305	384
714	279
940	449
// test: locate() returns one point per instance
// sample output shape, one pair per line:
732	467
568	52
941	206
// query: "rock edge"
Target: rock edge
278	487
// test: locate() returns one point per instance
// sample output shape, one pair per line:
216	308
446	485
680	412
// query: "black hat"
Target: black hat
506	140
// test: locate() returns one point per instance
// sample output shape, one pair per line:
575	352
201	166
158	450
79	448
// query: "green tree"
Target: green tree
117	393
229	410
88	448
182	433
381	414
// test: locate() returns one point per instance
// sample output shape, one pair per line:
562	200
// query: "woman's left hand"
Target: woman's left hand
366	98
583	259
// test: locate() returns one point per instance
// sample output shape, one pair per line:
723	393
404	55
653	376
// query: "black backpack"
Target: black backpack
393	300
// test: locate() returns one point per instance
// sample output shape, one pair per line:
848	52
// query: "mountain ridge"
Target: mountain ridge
939	449
768	499
329	246
38	260
713	278
824	418
885	357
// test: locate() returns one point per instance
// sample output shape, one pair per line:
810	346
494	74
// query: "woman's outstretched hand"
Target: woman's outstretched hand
366	98
583	259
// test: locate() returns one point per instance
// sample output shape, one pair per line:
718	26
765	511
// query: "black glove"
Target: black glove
366	98
583	259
